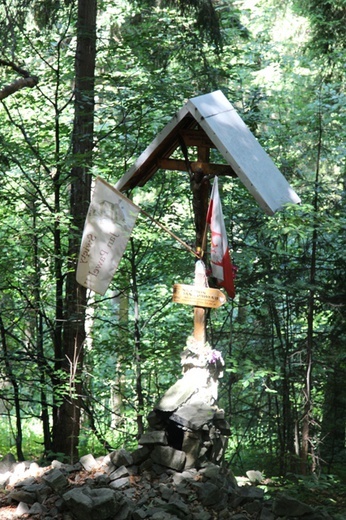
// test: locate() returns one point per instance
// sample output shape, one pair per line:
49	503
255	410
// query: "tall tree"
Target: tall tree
69	360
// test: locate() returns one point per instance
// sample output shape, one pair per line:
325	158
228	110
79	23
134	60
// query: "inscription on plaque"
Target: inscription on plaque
198	296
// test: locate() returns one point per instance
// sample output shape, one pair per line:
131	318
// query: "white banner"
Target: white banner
108	226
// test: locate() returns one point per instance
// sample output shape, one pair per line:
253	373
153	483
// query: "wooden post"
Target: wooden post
200	193
199	332
200	189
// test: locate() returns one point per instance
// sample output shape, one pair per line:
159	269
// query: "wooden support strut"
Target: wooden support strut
196	167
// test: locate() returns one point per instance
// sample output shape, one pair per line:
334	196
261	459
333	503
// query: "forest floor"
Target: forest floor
326	493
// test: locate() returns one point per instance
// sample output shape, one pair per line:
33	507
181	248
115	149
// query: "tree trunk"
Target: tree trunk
67	420
11	376
40	357
307	410
137	340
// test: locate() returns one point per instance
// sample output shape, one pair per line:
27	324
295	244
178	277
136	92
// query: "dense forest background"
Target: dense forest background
84	88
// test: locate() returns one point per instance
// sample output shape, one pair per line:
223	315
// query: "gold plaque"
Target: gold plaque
198	296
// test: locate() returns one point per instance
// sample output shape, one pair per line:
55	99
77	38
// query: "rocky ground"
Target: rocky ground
133	486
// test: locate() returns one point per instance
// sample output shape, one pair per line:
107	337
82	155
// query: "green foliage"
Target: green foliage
150	60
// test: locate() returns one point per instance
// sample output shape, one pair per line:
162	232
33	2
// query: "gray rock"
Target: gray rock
56	480
156	503
37	509
120	472
140	514
193	416
153	437
42	491
158	469
190	474
4	478
102	480
125	512
146	466
119	483
91	504
140	455
54	512
224	514
57	464
187	475
210	495
19	468
252	507
201	514
121	458
210	471
177	394
59	503
22	509
169	457
186	491
179	505
192	443
36	487
165	491
266	514
130	492
25	482
251	492
178	479
66	516
162	515
255	477
88	462
285	505
19	495
319	515
33	467
7	463
66	468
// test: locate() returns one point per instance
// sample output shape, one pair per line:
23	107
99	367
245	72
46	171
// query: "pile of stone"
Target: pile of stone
187	419
144	484
193	433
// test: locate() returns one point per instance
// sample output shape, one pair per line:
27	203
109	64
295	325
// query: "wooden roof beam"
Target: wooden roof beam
196	167
196	138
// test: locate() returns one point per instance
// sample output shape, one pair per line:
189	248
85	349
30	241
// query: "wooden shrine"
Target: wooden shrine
187	417
210	122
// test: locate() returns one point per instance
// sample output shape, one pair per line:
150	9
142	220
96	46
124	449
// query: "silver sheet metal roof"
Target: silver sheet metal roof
219	123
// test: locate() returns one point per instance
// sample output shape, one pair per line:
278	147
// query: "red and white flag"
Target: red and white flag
220	258
108	226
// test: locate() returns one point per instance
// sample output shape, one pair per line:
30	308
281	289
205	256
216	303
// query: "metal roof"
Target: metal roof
210	121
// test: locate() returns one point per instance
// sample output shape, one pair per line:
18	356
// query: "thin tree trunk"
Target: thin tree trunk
284	416
307	410
14	382
40	358
137	338
117	391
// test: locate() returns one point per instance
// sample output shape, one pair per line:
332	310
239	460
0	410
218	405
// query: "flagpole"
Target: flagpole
204	240
170	233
